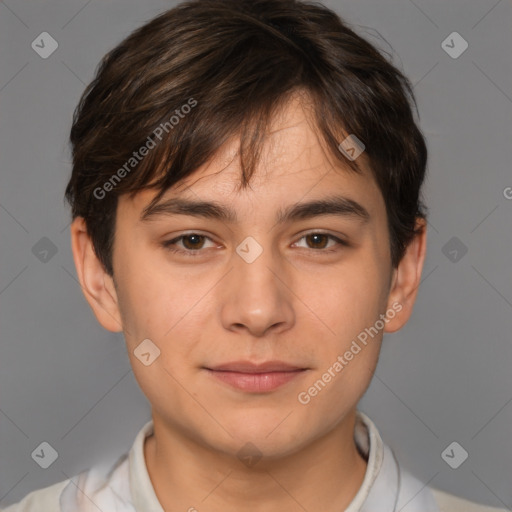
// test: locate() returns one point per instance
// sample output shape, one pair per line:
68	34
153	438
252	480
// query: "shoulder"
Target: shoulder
46	499
104	486
451	503
415	496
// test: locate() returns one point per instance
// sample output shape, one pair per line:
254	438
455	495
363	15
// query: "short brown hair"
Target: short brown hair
235	62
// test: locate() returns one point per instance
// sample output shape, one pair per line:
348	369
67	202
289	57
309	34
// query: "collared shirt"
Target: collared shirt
125	486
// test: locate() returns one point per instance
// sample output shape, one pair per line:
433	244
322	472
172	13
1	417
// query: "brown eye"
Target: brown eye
318	241
193	241
189	244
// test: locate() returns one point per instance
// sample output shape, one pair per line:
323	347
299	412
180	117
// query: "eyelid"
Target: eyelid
191	252
167	244
340	242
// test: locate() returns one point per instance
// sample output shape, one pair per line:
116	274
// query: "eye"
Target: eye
192	243
317	241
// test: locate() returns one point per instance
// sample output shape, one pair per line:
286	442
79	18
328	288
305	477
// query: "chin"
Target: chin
272	437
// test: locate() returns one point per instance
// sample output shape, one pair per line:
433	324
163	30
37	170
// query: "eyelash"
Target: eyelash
194	253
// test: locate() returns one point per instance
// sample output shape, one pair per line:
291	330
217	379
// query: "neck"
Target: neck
325	475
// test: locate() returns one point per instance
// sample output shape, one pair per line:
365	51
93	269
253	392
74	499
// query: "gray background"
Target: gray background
445	377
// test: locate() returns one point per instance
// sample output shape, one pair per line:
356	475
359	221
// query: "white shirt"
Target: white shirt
125	486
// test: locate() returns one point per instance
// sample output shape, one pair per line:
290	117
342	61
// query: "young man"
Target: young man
246	202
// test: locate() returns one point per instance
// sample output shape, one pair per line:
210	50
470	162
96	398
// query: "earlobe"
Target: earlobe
96	284
406	279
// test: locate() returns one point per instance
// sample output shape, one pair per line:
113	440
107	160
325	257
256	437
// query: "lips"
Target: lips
255	378
248	367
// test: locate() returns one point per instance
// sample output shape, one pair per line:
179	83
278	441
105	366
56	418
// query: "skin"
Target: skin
294	303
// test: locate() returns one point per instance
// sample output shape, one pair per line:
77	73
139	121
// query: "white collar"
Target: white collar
379	491
126	486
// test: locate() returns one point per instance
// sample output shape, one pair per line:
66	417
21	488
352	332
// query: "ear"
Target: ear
97	285
406	279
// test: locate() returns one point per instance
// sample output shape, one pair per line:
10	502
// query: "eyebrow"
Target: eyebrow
332	205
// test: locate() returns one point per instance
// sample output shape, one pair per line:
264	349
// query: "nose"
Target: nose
257	297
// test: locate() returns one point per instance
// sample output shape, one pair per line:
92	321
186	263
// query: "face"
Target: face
255	317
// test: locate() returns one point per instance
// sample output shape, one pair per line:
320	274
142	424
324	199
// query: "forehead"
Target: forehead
293	163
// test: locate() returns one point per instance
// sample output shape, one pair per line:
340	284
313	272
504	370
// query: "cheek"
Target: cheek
146	290
348	354
165	305
350	300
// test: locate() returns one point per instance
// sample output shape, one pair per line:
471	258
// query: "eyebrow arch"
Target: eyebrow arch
332	205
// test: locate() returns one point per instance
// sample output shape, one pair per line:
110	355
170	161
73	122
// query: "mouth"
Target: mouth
255	378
